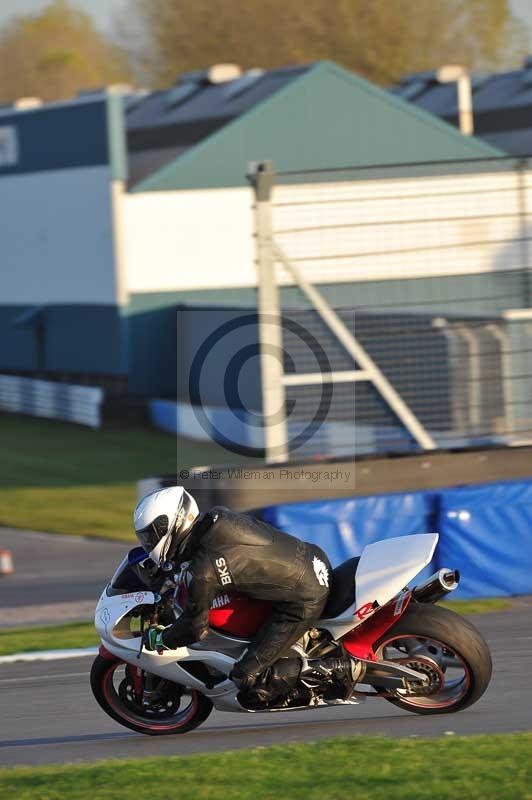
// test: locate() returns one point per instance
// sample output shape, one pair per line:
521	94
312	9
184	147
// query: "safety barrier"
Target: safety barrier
344	526
485	531
206	424
239	427
38	398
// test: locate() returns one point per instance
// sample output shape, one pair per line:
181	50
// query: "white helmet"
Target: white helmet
162	519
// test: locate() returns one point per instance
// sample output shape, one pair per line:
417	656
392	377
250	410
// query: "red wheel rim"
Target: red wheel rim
115	702
455	686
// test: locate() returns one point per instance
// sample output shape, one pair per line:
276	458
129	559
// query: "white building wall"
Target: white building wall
201	239
336	232
404	227
56	241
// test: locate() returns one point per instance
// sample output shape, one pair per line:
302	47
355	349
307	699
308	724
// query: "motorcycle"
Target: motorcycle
401	646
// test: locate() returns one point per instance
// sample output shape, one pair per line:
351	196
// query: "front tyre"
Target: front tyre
146	703
444	646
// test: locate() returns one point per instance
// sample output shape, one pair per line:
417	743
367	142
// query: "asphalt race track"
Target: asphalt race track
49	716
57	578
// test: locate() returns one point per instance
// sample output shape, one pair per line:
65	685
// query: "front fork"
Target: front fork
136	676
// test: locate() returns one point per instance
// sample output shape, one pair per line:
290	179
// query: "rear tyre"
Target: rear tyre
445	646
172	709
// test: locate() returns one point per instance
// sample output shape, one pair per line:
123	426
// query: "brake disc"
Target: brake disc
165	700
426	666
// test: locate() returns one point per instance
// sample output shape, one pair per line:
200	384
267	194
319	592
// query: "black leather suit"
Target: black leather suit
231	551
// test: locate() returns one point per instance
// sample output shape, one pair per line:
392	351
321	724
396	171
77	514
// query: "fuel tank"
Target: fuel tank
238	615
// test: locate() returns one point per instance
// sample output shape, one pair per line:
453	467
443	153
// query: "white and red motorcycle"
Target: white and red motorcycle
417	655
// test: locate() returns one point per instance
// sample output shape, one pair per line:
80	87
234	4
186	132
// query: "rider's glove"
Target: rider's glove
153	638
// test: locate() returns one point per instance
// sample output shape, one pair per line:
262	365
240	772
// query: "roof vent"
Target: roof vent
25	103
119	88
218	73
450	73
409	90
243	83
221	73
178	94
455	73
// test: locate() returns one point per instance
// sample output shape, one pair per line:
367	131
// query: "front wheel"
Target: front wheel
144	702
445	647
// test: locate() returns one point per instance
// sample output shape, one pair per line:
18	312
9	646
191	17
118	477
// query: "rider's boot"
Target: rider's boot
275	682
343	669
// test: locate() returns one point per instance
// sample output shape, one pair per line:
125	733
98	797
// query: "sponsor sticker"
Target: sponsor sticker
223	571
364	611
321	571
105	618
401	602
220	601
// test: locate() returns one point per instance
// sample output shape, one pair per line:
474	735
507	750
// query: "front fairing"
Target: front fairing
113	623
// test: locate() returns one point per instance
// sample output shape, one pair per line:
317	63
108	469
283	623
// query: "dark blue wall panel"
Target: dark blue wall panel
152	338
60	137
18	349
77	338
165	341
84	339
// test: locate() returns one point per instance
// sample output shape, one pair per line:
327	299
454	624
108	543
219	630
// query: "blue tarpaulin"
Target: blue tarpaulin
486	533
343	527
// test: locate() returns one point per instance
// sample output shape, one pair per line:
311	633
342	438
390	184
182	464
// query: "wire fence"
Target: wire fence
429	268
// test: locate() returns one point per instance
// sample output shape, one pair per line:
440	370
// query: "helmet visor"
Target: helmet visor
150	536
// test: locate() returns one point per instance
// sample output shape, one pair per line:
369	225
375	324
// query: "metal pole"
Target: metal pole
522	173
270	322
333	321
312	378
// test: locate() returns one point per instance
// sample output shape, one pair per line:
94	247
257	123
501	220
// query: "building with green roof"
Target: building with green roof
179	229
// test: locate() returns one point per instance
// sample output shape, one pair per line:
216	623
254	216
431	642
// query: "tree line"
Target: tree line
59	51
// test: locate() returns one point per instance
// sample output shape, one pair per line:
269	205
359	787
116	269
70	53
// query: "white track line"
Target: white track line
49	655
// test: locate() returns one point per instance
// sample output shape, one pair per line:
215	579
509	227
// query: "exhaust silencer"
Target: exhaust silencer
437	586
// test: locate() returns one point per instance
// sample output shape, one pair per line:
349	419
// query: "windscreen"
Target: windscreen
127	578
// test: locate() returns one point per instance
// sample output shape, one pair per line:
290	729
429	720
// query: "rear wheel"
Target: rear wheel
144	702
445	647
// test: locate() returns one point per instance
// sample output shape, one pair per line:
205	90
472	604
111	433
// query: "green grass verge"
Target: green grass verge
49	637
481	606
69	479
487	767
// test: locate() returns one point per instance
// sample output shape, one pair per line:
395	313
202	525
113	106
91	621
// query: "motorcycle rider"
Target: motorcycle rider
233	551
